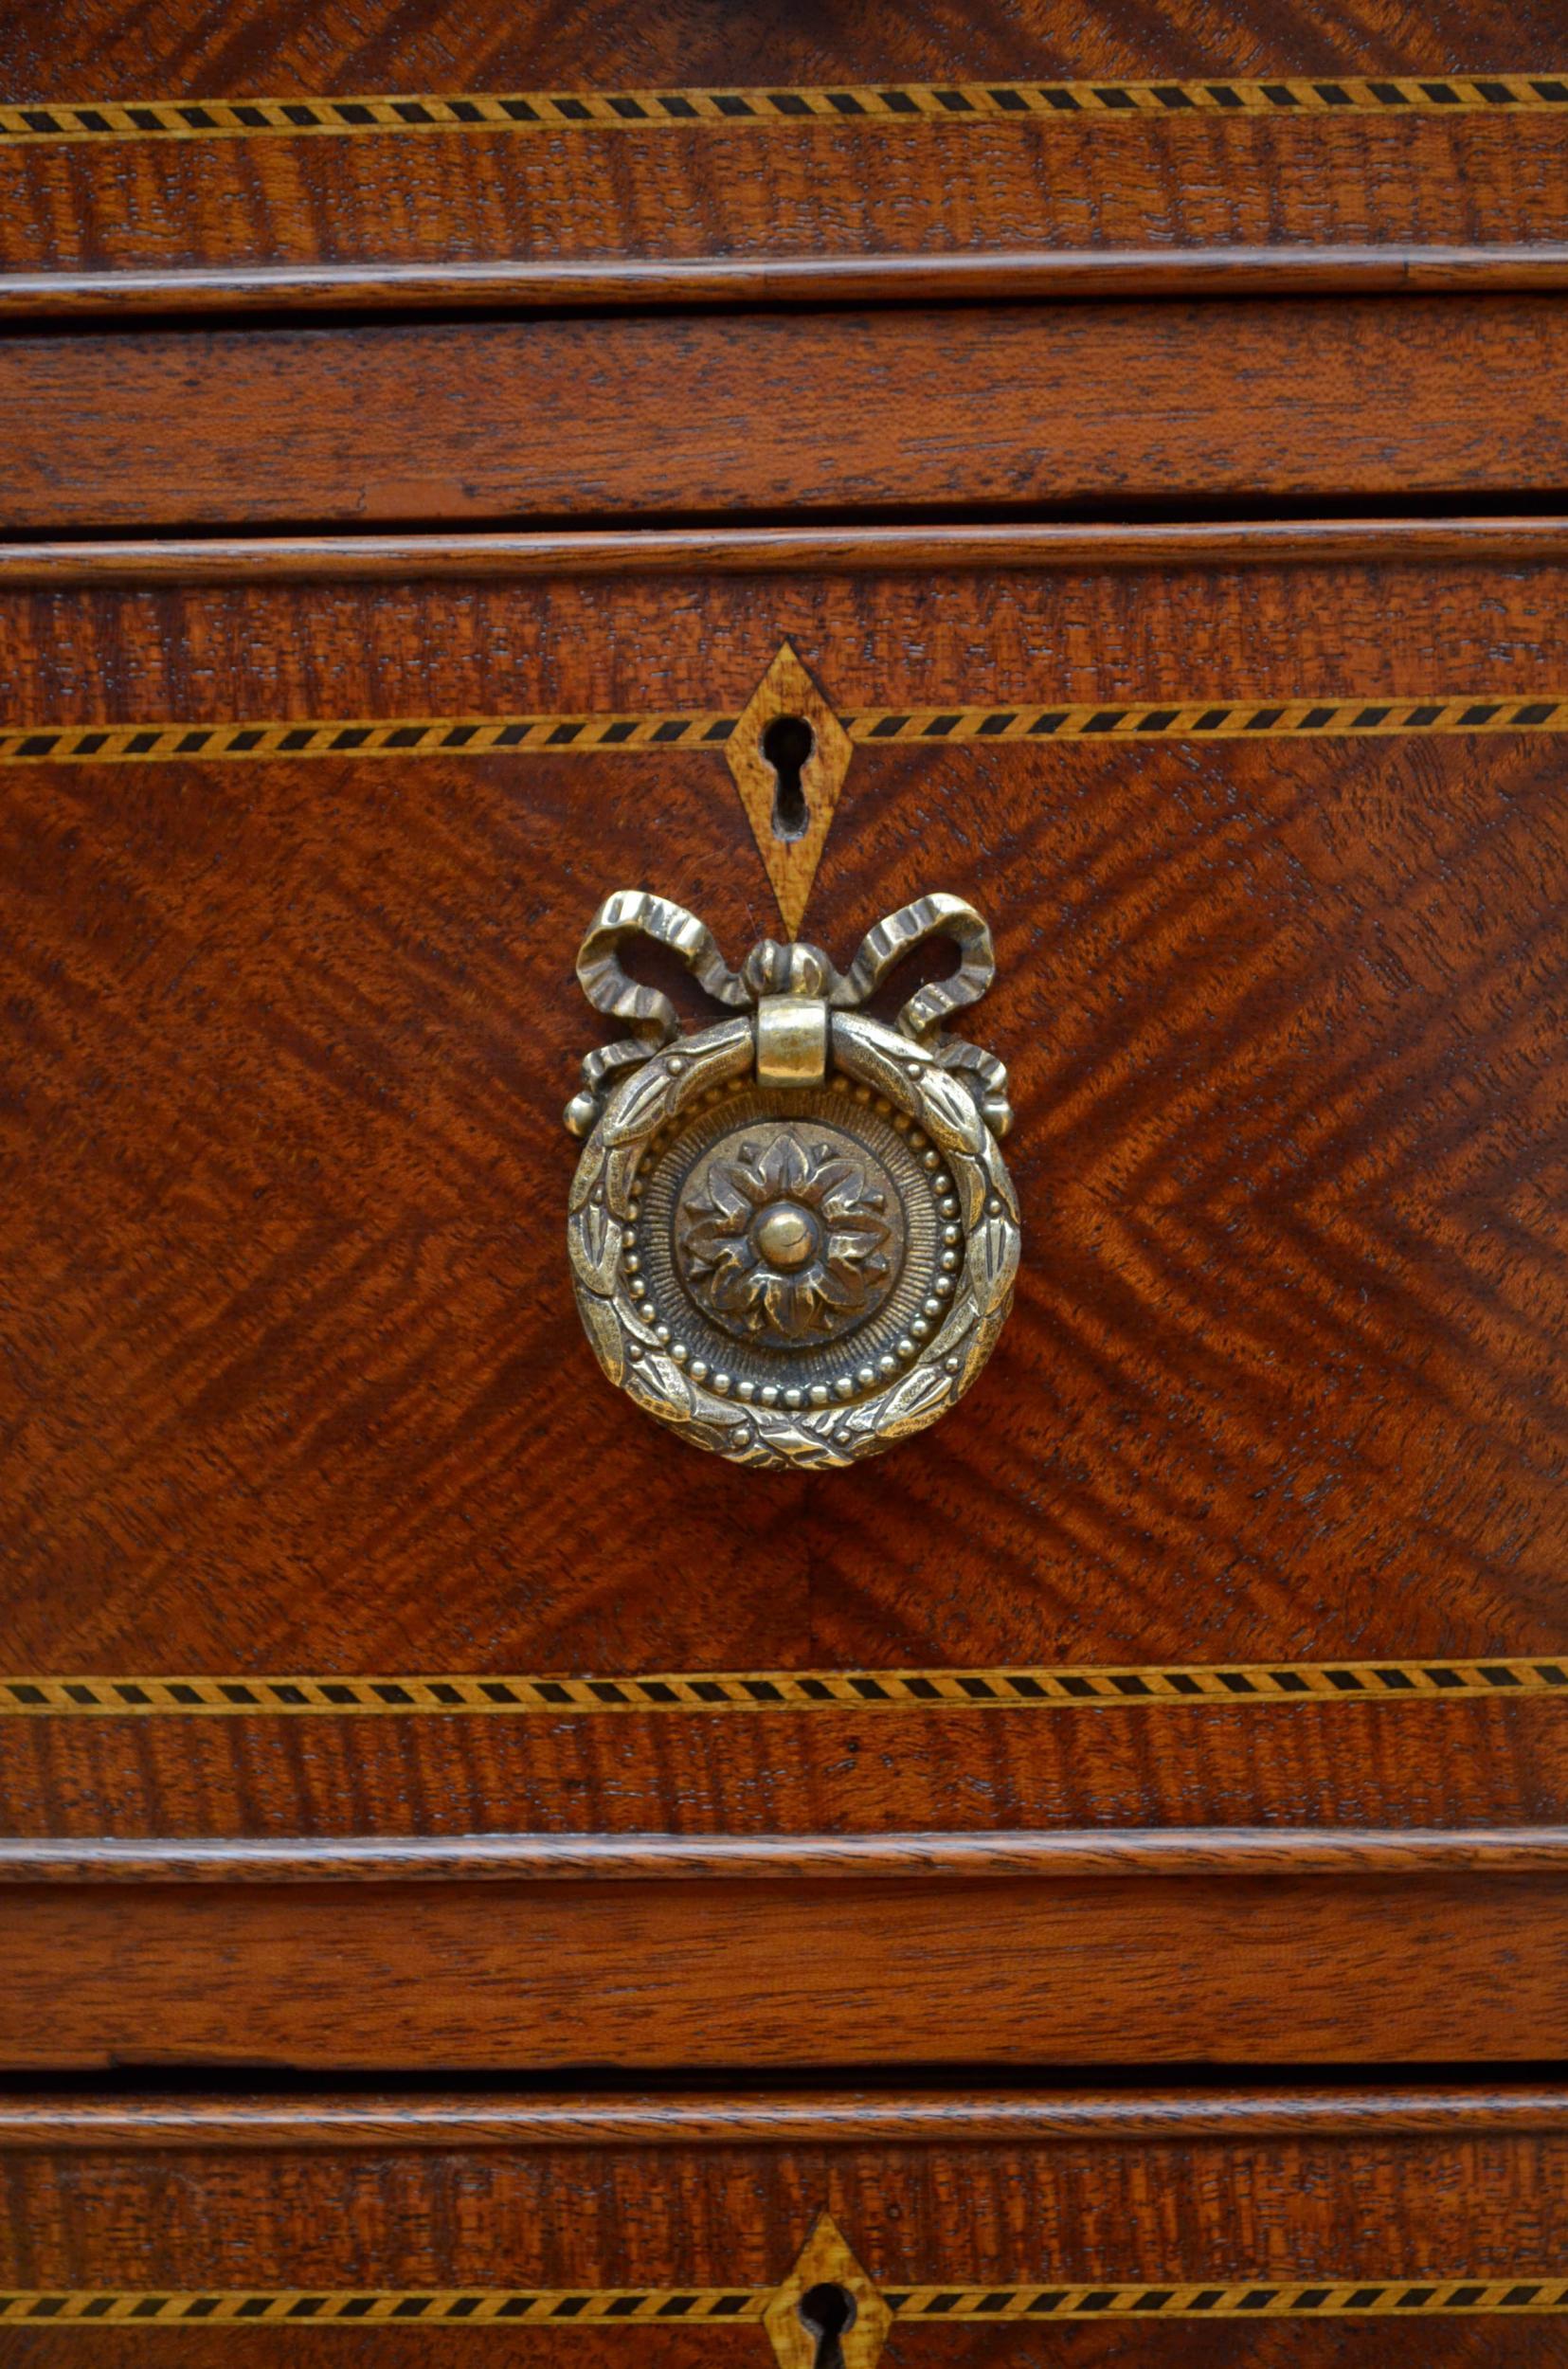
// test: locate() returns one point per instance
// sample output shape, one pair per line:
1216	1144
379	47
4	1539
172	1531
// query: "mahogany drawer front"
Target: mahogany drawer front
1273	854
208	159
1281	1953
1381	2225
1220	1626
1255	1523
890	411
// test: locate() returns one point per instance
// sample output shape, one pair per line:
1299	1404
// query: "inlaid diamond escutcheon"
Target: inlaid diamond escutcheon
790	855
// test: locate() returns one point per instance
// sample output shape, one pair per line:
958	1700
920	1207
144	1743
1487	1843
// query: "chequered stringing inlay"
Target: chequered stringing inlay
1259	1683
1321	2298
451	735
587	735
841	105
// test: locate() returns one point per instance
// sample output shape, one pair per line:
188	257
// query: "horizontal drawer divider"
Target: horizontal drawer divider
383	2117
1064	1856
985	276
813	550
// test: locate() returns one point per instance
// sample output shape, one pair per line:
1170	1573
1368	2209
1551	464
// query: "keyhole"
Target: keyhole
787	744
827	2312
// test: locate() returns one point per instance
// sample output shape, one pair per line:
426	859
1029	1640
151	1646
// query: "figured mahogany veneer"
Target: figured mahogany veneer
249	47
294	1378
1281	997
1391	2225
1377	173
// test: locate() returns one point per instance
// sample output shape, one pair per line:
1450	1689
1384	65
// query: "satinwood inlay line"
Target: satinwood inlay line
593	735
579	2307
1133	1688
841	104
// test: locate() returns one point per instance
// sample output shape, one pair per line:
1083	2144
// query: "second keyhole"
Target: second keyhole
787	744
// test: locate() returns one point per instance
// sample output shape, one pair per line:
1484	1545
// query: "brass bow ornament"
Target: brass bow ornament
792	1234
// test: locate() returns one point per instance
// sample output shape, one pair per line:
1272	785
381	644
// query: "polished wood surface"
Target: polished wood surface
1237	1969
1299	1771
1408	173
205	51
1193	1698
1244	183
1380	618
962	2207
1173	1850
61	2117
1339	2190
1344	2184
872	550
275	1260
797	280
1282	1015
896	410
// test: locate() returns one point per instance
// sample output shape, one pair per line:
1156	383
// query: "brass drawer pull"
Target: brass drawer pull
793	1236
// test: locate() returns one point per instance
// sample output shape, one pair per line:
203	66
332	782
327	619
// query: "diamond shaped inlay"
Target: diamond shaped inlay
789	754
827	2305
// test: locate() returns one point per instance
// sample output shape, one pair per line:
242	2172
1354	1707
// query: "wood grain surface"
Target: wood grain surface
1373	617
294	1378
996	2194
985	1857
288	1046
1307	1767
203	50
644	282
1244	183
290	1375
979	2225
869	551
1229	1970
896	410
1412	175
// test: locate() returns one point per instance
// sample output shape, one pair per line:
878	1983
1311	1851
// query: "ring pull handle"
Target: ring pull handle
793	1236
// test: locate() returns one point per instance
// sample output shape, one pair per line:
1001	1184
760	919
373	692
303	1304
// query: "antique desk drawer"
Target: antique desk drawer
1286	1947
1191	1691
817	410
1347	2226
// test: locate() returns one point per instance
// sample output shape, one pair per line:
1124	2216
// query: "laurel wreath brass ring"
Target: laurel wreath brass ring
793	1236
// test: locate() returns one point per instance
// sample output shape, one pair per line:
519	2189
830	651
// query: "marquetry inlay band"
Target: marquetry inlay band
1043	1688
478	2307
858	103
593	735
